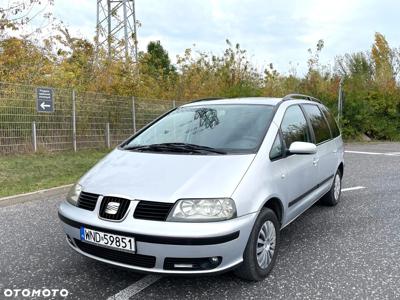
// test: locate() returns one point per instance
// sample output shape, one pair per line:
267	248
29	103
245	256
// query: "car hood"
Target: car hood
166	177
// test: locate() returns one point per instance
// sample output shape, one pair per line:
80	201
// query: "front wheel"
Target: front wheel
262	247
333	196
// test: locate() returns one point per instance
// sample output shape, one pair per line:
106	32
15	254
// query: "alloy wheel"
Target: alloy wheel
266	243
337	188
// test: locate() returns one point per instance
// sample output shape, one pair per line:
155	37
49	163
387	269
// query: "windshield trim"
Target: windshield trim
228	151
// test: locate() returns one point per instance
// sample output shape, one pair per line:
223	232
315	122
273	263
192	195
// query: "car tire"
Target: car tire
267	228
332	197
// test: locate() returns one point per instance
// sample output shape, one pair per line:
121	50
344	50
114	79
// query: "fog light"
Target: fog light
192	263
214	260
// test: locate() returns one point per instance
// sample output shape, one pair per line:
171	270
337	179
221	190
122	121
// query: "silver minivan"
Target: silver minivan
207	187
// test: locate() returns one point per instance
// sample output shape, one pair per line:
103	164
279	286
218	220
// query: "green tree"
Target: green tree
157	60
382	56
23	62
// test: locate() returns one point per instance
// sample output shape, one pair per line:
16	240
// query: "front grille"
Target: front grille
156	211
87	200
139	260
119	211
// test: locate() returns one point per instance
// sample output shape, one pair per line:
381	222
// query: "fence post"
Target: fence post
133	115
34	144
340	100
74	120
173	104
108	143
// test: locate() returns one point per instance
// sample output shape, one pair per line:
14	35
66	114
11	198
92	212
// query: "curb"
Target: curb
32	196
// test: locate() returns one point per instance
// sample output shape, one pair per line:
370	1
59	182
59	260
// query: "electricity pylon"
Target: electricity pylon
116	28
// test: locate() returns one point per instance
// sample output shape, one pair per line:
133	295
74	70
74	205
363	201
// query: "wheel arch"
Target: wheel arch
275	204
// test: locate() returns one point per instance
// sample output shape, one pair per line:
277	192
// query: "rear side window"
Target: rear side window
320	126
332	123
294	126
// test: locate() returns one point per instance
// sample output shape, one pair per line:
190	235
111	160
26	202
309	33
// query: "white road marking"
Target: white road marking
393	153
363	152
374	153
135	288
353	188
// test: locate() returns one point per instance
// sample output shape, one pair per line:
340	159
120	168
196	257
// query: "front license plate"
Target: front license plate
115	241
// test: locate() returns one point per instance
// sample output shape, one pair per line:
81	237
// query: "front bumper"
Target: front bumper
164	240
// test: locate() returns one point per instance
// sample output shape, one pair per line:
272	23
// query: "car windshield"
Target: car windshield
222	128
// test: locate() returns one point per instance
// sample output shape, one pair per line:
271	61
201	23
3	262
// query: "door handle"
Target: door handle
283	176
315	161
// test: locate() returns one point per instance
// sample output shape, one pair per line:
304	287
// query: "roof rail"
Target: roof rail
300	96
206	99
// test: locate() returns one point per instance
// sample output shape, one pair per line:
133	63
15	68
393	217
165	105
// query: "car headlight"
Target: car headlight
203	210
73	194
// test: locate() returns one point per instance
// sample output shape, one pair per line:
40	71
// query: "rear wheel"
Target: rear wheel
262	247
333	196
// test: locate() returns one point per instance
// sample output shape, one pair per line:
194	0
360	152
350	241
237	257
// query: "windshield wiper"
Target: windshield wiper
197	147
155	147
175	147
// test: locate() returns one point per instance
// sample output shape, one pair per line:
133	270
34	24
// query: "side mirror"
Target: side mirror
302	148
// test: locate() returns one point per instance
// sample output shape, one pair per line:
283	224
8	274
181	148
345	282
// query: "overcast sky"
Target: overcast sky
271	31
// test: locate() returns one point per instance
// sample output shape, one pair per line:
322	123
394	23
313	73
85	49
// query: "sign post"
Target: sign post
44	100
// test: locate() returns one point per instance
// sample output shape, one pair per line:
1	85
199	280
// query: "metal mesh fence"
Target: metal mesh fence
81	120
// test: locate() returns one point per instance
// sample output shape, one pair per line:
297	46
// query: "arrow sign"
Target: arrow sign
44	105
44	100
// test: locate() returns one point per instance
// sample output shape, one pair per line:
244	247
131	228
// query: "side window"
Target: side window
321	129
332	123
294	126
277	148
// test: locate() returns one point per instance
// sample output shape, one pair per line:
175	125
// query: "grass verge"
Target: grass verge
25	173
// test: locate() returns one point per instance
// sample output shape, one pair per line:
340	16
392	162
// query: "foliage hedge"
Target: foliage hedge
370	79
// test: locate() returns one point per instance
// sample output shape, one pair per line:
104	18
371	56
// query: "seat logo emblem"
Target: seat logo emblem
112	208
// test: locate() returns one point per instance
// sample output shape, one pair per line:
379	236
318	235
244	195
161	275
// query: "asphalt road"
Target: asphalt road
351	251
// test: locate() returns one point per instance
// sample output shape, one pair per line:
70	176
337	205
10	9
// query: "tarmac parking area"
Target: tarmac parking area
343	252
